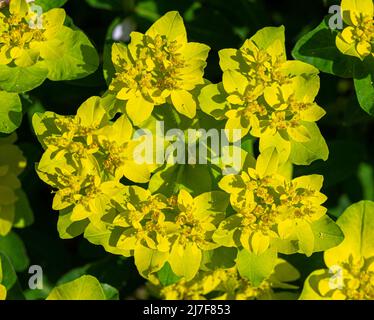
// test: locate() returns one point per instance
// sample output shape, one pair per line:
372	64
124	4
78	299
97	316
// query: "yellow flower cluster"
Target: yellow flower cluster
86	156
22	40
270	206
228	284
265	94
159	67
357	38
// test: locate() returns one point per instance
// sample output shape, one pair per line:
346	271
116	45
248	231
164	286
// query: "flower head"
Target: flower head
228	284
158	67
351	264
357	38
269	206
23	39
266	95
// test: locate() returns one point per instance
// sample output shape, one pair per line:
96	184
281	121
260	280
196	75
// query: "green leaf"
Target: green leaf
166	275
10	112
69	229
212	100
13	247
9	276
83	288
318	48
327	234
148	260
222	257
78	57
169	179
21	79
185	260
304	153
310	290
256	268
364	84
24	216
357	224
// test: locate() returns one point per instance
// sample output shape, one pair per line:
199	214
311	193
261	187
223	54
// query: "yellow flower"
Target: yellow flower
270	206
351	264
268	96
228	284
159	67
22	40
357	39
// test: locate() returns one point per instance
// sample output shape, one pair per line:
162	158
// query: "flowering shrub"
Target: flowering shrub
227	188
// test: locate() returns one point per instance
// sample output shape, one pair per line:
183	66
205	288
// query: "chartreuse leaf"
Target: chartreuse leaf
304	153
256	268
83	288
178	257
13	247
10	112
318	48
148	260
212	100
69	229
22	79
310	289
76	57
357	224
327	234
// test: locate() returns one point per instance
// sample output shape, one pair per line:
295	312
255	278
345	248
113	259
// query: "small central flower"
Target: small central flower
358	280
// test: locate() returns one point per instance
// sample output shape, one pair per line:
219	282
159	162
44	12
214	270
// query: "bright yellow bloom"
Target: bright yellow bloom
282	112
86	156
142	220
357	39
227	284
12	163
26	38
159	67
351	263
195	220
270	206
174	230
268	96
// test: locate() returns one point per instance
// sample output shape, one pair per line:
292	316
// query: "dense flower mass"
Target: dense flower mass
177	229
228	284
12	163
269	206
159	67
86	156
188	238
357	38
